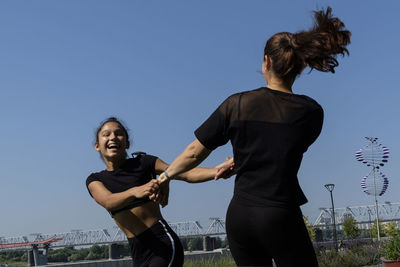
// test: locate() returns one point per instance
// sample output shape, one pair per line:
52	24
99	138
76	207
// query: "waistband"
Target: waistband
245	199
155	228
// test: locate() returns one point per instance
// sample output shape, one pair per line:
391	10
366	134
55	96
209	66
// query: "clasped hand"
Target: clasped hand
159	191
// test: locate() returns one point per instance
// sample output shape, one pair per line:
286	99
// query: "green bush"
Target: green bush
374	230
15	257
356	255
79	254
95	253
310	228
350	228
392	229
59	255
391	250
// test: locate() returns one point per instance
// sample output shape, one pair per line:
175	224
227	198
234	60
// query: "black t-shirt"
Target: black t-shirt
269	131
133	172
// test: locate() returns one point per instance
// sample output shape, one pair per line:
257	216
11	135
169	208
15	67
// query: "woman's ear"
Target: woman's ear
267	62
128	144
96	146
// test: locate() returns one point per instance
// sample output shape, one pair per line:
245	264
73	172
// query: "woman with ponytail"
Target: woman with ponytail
270	128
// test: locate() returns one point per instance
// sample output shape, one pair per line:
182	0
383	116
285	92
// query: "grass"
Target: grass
221	262
14	263
356	255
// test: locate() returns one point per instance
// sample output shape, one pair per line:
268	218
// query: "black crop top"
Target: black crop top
133	172
269	131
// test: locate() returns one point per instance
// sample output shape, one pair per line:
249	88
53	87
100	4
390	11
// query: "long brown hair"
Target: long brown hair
316	48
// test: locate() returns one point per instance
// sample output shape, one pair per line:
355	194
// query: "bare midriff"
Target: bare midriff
136	220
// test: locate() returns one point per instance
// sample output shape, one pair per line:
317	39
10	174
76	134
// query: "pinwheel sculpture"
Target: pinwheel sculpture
374	155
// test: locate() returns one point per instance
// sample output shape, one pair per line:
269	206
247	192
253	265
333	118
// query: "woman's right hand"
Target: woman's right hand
226	169
146	190
162	195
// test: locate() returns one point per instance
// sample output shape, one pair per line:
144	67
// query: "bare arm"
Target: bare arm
196	175
114	201
192	156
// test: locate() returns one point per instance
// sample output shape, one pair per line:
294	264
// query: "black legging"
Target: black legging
158	246
257	235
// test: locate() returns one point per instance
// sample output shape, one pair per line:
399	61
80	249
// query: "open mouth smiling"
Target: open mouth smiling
113	146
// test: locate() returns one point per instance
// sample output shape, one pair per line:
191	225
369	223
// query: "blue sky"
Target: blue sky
163	67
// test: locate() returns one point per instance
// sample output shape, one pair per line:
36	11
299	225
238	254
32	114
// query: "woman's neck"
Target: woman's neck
277	84
113	164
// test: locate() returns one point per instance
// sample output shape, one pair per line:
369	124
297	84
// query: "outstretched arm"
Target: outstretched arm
114	201
199	175
192	156
196	175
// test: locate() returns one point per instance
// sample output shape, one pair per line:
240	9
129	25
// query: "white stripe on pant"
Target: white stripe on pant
172	243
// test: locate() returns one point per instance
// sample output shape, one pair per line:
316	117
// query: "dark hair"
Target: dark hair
317	48
112	119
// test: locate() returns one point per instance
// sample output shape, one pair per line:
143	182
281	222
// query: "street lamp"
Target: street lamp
330	188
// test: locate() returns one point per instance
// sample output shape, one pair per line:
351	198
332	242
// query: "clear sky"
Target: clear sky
163	67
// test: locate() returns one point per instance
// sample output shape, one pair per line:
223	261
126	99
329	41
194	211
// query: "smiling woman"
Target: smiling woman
124	187
103	133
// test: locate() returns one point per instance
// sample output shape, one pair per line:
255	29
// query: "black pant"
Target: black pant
256	235
157	246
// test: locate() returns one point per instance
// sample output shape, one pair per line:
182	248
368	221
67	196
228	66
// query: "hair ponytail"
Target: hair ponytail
316	48
320	45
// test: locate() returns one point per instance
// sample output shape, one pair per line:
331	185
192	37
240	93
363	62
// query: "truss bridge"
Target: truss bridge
103	236
364	215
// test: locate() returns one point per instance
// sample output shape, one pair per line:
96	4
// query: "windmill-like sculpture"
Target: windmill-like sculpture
374	155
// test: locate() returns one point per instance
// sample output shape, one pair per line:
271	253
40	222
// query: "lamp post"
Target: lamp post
330	188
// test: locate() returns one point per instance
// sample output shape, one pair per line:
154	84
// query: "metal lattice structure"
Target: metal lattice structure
73	238
106	236
216	227
187	229
364	215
